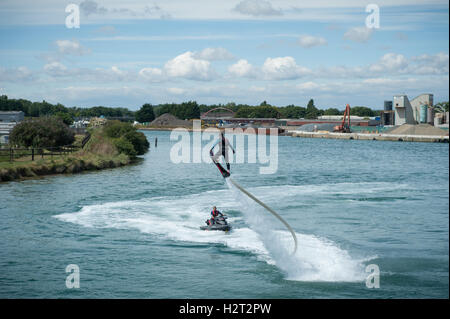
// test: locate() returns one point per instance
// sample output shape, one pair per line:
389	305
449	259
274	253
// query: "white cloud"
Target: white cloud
214	54
89	7
19	74
187	66
280	68
308	41
256	8
389	81
71	47
431	64
390	62
254	88
283	68
93	93
55	69
242	69
151	74
358	34
307	86
176	91
58	70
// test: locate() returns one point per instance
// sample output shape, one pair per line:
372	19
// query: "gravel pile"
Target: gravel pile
168	120
317	127
420	129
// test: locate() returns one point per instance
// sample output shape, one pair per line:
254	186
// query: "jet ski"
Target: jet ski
220	224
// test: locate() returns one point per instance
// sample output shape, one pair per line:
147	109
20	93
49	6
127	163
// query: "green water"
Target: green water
133	231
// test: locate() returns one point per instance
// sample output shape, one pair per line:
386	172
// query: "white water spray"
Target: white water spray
270	210
316	259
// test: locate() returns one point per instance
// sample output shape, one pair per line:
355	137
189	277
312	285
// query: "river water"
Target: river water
134	231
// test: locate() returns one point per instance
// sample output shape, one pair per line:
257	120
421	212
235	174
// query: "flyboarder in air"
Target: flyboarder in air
223	151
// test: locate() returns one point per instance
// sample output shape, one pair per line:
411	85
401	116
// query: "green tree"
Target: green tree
244	112
42	132
362	111
125	146
332	111
258	112
65	117
441	106
139	142
311	111
292	112
116	129
145	114
126	138
188	110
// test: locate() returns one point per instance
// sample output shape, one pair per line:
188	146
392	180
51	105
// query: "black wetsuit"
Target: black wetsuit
223	151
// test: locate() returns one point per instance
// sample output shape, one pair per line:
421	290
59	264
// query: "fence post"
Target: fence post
32	154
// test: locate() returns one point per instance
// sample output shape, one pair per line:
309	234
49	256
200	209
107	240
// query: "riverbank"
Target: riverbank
69	164
100	152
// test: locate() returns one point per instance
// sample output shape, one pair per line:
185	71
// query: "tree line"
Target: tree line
265	110
67	114
186	110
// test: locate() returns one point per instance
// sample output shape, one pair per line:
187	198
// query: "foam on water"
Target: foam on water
178	218
316	259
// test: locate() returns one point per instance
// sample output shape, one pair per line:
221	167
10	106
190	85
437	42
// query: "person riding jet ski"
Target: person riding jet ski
216	222
214	214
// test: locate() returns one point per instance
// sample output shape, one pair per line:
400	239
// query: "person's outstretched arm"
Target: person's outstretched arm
229	144
214	145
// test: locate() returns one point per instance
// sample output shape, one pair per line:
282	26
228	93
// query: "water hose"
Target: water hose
269	209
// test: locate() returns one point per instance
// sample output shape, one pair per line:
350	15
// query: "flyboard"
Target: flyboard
226	174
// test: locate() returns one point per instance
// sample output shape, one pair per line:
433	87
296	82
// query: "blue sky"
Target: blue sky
127	53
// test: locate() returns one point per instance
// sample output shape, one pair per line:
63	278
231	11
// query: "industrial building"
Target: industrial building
8	120
11	116
403	110
419	110
422	108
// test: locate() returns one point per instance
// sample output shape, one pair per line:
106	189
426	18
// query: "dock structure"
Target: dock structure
372	136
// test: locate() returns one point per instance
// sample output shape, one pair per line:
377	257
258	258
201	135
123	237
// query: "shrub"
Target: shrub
65	117
116	129
124	146
126	138
139	142
42	132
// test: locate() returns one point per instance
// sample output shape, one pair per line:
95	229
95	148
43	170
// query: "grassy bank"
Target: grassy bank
99	153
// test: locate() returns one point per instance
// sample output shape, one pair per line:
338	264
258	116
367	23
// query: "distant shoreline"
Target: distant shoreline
372	137
281	132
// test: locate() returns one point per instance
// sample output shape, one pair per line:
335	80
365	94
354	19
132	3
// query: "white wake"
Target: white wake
178	218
